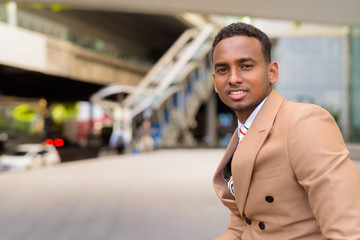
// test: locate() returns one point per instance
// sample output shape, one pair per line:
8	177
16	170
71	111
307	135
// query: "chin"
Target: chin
242	108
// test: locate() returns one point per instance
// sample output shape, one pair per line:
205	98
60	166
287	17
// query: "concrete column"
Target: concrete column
11	13
211	115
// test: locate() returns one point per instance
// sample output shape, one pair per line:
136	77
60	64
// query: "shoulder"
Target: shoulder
290	108
299	111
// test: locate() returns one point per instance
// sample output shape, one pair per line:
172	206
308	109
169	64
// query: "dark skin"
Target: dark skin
242	76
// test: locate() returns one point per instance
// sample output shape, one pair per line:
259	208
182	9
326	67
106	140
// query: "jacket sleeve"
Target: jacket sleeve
234	230
322	166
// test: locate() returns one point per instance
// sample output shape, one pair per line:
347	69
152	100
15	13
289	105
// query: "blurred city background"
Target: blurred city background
127	85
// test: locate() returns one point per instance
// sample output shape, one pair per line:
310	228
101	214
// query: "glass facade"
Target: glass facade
354	90
314	70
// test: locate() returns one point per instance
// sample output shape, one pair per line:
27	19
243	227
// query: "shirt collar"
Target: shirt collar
252	116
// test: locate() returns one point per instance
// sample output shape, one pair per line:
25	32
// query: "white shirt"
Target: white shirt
250	119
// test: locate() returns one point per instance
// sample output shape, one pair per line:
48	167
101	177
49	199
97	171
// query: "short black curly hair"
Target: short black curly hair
243	29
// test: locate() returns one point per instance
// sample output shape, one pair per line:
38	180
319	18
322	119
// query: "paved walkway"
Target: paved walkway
166	194
160	195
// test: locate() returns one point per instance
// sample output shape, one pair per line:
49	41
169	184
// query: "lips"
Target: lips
237	94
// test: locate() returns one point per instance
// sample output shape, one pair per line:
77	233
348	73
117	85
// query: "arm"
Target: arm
322	166
234	230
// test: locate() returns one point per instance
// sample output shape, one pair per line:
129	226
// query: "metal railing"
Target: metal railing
173	90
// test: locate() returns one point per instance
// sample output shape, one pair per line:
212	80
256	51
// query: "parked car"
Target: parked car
27	156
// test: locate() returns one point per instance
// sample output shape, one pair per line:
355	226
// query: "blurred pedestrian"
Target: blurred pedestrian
3	140
286	173
117	141
145	141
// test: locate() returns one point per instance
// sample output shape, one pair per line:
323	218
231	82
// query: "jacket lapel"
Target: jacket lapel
218	180
245	156
219	183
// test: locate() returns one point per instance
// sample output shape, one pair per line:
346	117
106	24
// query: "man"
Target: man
286	173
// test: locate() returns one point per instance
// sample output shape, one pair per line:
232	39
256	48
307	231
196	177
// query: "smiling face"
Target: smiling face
242	76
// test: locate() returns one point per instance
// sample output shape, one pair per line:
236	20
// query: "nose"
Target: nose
235	77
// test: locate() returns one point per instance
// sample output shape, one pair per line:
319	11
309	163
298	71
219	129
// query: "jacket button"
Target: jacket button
248	221
262	225
269	198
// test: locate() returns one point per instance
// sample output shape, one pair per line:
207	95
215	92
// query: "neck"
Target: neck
244	115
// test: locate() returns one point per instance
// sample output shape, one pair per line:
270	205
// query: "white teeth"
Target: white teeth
238	92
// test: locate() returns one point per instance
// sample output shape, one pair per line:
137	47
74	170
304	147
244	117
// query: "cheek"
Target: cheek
217	84
215	88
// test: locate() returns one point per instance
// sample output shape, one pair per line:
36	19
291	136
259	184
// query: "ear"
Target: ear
273	71
215	83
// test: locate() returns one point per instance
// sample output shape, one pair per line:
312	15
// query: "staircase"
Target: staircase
172	92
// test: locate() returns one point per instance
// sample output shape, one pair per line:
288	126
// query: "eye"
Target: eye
247	67
221	70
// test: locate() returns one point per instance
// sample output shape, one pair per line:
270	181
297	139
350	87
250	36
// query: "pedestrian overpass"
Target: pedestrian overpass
38	65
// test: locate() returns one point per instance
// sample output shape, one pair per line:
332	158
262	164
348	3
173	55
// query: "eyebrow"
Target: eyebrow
220	64
246	59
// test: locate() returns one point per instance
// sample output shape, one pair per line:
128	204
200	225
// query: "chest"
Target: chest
275	199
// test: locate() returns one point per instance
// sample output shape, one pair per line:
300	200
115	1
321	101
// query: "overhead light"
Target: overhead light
194	19
245	19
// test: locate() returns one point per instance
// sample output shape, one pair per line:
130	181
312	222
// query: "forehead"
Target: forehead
238	46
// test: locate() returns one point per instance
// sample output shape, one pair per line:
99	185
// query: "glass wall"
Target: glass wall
314	70
355	85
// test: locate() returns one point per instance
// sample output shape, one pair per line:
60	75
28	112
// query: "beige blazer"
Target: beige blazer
293	178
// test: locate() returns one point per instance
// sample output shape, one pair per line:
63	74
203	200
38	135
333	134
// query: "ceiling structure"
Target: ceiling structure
148	28
27	84
345	12
141	34
145	35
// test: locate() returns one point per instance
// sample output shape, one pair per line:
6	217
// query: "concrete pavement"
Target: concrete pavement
165	194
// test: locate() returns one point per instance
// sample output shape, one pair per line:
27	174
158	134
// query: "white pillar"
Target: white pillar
11	13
